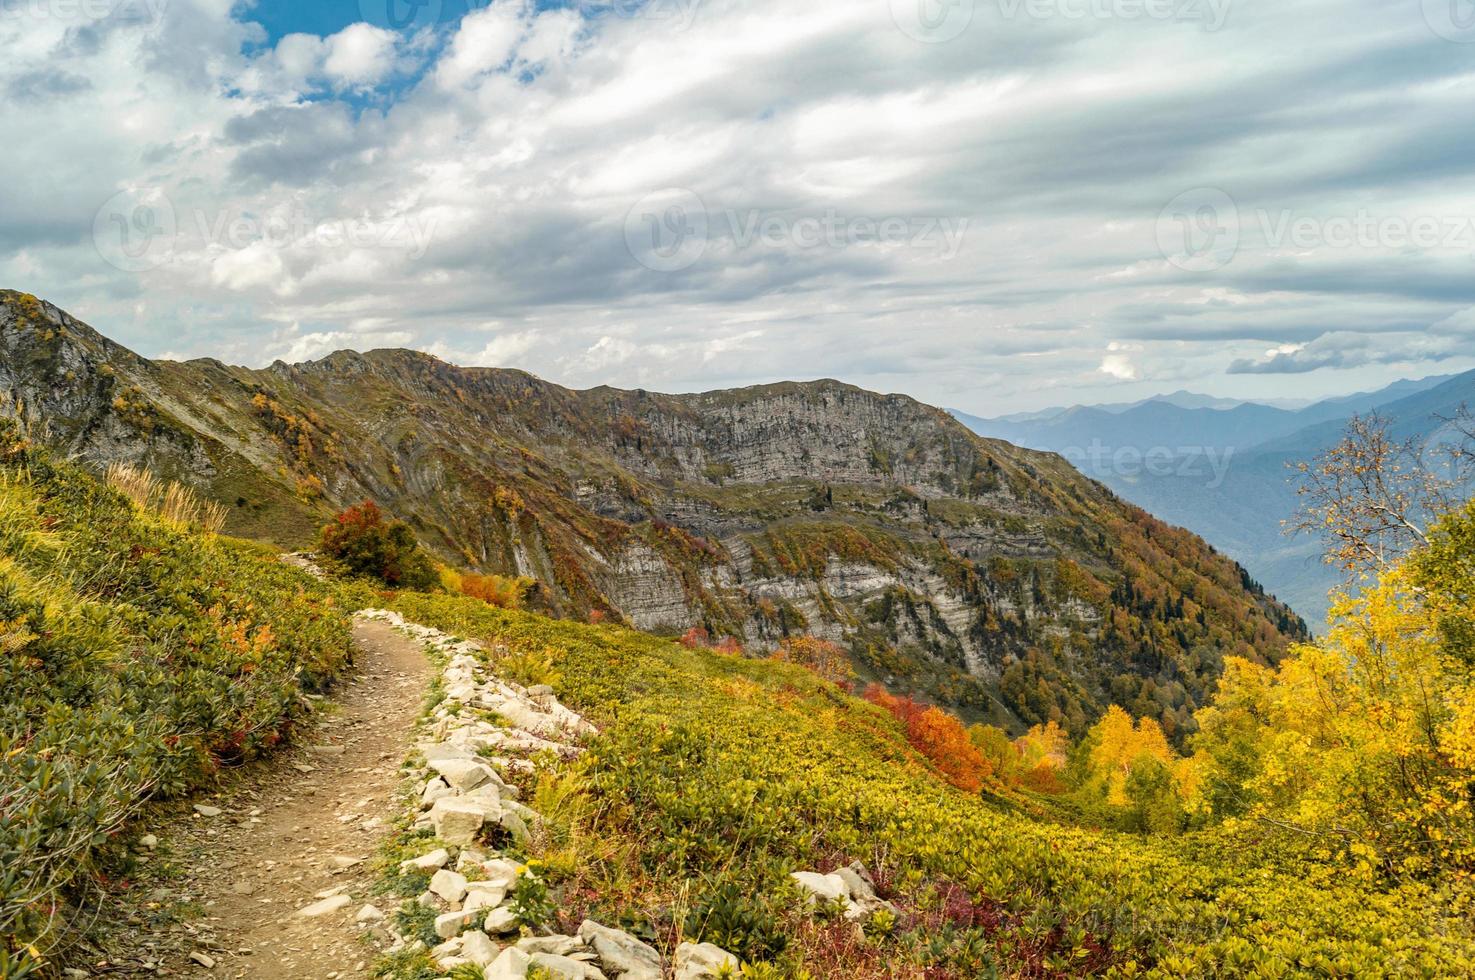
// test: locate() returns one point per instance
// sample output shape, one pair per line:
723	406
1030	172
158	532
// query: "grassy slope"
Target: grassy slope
716	769
136	657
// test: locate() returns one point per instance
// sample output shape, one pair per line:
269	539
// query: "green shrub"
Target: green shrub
138	656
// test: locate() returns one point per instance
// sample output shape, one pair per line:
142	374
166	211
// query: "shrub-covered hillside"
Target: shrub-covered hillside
138	654
717	776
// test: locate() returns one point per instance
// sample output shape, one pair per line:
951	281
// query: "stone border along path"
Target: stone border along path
462	793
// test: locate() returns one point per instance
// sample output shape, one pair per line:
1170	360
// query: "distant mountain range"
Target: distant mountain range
1224	468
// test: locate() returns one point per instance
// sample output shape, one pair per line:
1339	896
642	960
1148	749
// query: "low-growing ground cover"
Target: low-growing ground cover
717	776
137	655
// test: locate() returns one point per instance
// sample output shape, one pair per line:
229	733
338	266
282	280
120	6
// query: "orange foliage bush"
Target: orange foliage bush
495	590
939	736
696	638
828	660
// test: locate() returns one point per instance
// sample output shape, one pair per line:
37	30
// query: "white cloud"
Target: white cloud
519	141
359	55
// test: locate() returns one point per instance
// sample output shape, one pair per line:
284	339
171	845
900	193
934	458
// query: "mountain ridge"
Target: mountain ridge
986	576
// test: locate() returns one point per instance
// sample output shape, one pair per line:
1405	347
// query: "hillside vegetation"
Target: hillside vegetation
138	655
717	776
994	579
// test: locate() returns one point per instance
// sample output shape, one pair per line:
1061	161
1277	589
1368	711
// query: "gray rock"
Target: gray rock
207	811
369	914
621	953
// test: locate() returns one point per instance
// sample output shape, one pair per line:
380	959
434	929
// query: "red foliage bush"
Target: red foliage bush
939	736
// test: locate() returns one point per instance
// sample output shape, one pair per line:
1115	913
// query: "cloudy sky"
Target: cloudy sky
989	204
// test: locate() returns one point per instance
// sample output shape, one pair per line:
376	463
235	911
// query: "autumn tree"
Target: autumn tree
364	542
1372	496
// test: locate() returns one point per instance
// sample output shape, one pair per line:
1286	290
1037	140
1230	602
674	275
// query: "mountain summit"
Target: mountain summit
990	577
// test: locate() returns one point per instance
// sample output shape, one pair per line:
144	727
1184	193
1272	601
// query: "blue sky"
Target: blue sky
990	204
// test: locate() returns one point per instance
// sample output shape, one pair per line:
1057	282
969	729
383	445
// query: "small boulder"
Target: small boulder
481	895
511	964
477	948
500	921
327	906
368	915
566	968
621	953
558	945
463	774
822	888
457	821
700	961
427	862
451	924
207	811
449	885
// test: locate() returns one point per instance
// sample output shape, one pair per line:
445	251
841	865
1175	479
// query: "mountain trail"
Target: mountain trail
225	892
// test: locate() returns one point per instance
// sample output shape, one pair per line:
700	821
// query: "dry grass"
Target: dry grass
169	501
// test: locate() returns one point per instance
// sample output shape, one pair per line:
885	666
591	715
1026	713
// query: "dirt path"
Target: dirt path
288	834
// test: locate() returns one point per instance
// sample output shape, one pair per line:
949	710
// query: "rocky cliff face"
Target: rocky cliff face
982	574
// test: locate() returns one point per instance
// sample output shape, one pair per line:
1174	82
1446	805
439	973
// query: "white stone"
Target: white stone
453	923
207	811
700	961
559	945
480	895
369	913
501	921
427	862
463	774
478	949
825	888
457	821
565	968
448	885
511	964
325	907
